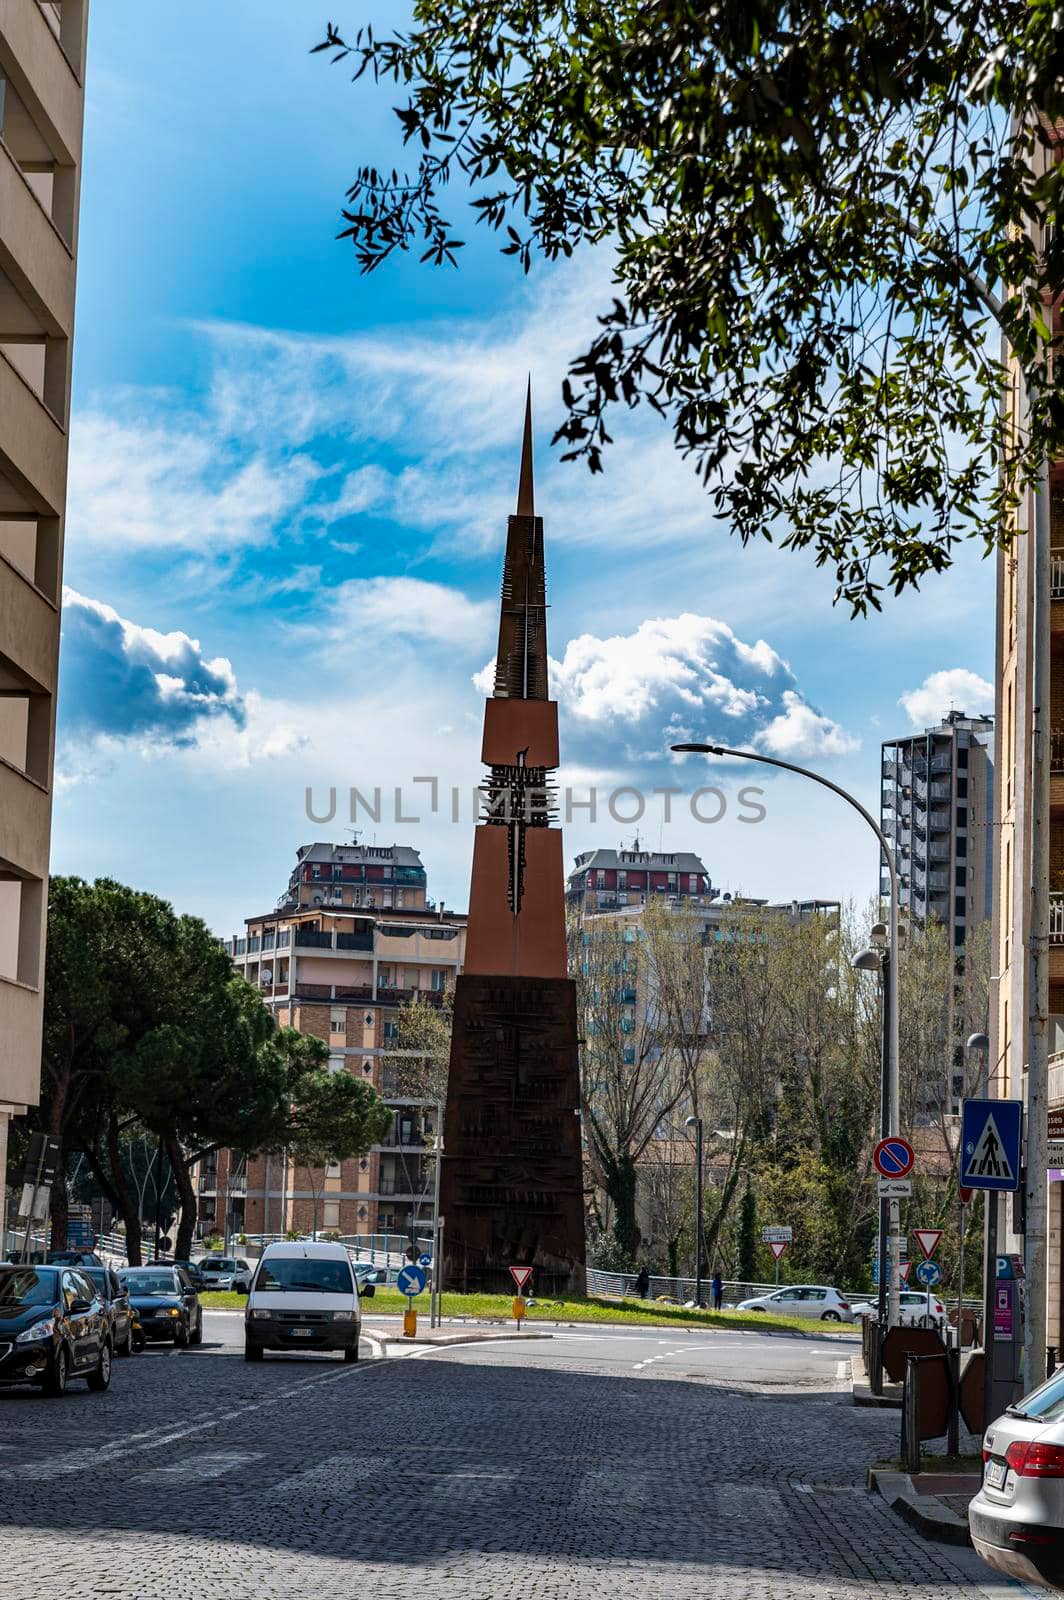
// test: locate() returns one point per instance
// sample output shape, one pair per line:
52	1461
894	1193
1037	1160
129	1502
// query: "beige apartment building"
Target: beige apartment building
1012	905
353	939
42	60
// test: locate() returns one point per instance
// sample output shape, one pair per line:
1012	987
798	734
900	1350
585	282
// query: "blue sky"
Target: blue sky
289	487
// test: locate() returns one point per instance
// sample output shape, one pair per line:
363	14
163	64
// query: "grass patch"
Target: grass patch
499	1308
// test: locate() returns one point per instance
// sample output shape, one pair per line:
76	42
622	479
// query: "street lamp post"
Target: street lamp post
877	959
696	1124
890	1086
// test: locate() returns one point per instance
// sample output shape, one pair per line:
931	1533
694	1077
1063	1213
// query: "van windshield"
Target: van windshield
296	1272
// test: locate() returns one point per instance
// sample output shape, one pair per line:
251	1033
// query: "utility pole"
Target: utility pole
1037	1118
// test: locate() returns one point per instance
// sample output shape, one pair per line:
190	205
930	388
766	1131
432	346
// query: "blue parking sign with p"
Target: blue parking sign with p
991	1138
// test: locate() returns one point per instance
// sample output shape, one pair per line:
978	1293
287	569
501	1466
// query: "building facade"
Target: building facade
938	813
42	63
605	880
338	958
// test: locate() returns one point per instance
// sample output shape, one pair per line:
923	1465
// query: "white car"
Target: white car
917	1310
225	1272
1017	1518
802	1300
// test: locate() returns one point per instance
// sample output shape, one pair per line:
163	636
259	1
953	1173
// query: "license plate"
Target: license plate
995	1474
301	1333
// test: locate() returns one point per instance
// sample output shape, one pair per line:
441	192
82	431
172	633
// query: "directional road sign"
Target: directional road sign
927	1239
777	1235
928	1273
990	1144
520	1275
425	1260
410	1280
778	1247
893	1157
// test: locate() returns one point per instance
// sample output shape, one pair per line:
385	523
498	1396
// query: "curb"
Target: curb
861	1394
937	1523
460	1339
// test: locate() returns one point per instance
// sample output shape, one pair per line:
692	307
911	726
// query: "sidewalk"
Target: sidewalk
934	1503
891	1397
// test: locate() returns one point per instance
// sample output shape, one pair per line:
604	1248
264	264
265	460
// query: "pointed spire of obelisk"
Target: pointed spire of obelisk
525	495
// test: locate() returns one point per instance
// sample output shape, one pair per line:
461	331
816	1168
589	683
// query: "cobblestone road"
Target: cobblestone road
492	1472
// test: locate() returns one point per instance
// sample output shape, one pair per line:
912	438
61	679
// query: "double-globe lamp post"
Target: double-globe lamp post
890	1108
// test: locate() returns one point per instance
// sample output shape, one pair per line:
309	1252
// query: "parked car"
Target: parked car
917	1310
226	1272
191	1269
74	1258
53	1327
1017	1518
166	1304
115	1296
367	1277
304	1297
802	1300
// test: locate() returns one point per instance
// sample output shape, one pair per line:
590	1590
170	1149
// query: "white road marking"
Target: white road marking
82	1460
842	1371
212	1465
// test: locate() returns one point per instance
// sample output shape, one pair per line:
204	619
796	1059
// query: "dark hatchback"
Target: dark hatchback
165	1305
53	1327
115	1296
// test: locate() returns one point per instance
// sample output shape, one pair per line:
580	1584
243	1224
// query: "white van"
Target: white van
304	1296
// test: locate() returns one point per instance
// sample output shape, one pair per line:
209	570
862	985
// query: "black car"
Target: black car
115	1297
189	1268
53	1327
74	1258
165	1304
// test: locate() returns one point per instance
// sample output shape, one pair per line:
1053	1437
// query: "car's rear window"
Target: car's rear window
148	1282
218	1266
1046	1402
25	1286
296	1272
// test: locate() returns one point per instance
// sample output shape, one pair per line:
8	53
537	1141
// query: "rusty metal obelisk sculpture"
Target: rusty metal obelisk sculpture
511	1184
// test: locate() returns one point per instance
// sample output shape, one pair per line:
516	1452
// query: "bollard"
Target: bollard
875	1363
910	1412
953	1358
410	1323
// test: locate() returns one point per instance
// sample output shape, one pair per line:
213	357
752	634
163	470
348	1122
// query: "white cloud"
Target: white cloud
625	699
363	610
799	731
953	689
176	484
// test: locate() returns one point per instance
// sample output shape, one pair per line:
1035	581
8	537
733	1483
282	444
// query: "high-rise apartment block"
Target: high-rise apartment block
938	813
42	63
351	941
603	880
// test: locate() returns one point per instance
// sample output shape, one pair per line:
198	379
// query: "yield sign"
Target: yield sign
905	1271
927	1239
777	1246
520	1275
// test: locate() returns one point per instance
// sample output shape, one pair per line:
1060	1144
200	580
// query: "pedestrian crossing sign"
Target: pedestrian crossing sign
991	1133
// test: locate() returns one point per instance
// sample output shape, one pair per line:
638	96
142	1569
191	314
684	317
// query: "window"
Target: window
337	872
439	980
330	1214
315	872
338	1022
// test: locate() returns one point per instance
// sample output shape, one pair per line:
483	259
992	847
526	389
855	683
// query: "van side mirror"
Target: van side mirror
368	1290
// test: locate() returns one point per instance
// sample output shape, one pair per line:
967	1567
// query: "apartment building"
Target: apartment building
938	813
42	62
338	958
605	880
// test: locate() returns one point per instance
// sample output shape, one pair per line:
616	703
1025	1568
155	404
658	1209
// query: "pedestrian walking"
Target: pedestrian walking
717	1289
642	1283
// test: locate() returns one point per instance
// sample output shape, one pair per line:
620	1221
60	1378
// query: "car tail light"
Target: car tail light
1029	1460
985	1454
844	1305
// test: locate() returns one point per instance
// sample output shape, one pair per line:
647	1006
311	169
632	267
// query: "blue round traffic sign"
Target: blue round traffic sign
410	1280
425	1260
929	1273
893	1157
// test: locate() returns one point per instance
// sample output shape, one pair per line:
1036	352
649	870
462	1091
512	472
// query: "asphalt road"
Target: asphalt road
600	1464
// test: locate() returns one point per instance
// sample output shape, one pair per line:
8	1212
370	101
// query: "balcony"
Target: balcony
937	851
1056	918
1056	750
941	763
1056	575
